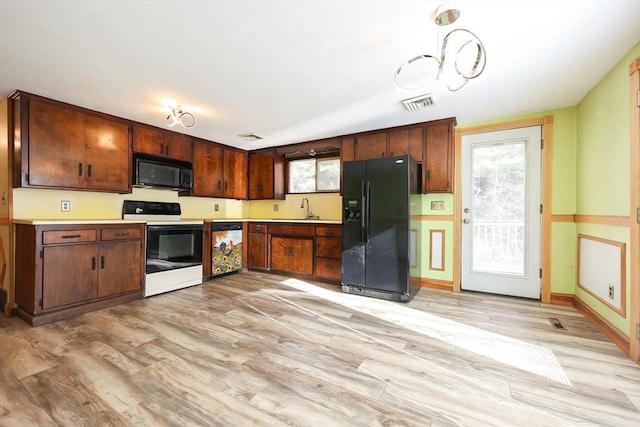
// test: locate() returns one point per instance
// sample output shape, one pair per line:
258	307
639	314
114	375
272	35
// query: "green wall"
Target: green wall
590	176
563	261
603	167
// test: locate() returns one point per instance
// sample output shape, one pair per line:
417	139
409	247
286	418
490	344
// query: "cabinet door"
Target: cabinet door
261	175
69	275
437	168
329	247
329	268
372	146
208	179
107	155
257	251
120	268
407	141
159	142
235	174
56	146
178	146
292	254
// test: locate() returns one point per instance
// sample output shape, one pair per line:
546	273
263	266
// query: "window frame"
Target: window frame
316	158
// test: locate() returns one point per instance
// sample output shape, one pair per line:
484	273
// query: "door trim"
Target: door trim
634	202
546	122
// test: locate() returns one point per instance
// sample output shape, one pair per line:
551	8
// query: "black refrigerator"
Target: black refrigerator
375	227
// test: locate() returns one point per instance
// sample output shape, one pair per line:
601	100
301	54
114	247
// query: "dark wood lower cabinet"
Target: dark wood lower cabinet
69	272
119	268
301	249
66	270
328	252
257	252
292	254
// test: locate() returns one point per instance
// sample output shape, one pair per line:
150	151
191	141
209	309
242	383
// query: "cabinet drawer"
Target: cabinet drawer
68	236
291	230
329	231
330	247
257	228
121	233
329	268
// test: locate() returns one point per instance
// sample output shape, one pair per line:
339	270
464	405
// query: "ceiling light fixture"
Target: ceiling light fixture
178	115
250	136
469	57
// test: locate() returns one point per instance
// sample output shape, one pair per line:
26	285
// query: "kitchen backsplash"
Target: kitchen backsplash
34	203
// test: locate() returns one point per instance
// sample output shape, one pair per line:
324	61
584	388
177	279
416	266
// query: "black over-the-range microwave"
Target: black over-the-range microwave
149	171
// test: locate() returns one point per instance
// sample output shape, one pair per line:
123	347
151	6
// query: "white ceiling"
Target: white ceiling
294	71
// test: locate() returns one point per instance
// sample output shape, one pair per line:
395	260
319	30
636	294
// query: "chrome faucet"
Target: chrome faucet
309	213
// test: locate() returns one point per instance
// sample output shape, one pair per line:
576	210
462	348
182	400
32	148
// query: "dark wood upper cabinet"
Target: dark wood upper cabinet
266	175
371	146
437	167
407	141
397	142
208	176
235	173
219	171
162	143
61	146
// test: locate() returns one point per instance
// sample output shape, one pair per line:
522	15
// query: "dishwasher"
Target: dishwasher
226	248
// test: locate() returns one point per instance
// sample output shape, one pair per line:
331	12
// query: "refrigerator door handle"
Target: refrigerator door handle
366	207
363	211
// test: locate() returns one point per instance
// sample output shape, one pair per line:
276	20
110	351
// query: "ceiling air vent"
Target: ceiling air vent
419	102
250	136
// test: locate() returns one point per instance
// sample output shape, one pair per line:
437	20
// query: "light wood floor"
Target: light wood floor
259	350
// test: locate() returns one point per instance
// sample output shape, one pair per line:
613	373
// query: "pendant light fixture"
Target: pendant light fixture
462	57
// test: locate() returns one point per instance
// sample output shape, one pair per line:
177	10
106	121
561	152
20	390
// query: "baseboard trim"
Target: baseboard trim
613	333
444	285
562	299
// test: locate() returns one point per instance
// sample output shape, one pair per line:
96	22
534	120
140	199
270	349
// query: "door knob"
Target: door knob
466	220
466	210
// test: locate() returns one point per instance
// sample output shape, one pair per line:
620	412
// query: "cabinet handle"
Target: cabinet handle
93	263
79	169
161	148
121	234
219	184
428	174
89	170
102	262
70	236
225	185
166	148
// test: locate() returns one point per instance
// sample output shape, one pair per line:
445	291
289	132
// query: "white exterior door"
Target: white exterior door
501	212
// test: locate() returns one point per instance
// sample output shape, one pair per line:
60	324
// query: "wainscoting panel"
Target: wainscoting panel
601	270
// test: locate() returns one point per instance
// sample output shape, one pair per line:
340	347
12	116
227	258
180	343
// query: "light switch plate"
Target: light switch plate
216	207
65	205
275	207
437	205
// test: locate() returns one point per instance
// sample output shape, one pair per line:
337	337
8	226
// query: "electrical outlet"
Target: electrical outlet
216	207
437	205
65	205
275	207
611	291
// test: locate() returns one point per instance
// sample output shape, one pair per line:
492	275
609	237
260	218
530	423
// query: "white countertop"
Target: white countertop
129	221
296	220
75	221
